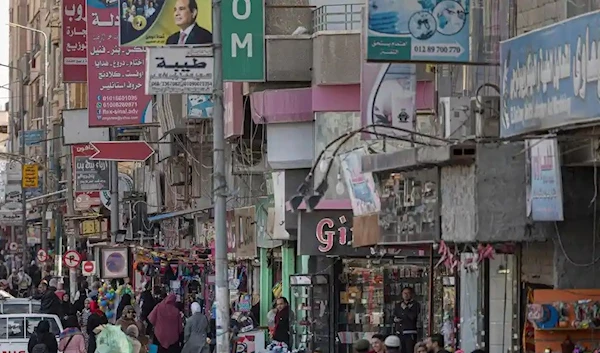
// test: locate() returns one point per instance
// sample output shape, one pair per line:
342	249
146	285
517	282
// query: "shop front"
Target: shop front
363	285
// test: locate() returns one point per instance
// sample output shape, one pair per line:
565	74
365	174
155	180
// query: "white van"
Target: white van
16	329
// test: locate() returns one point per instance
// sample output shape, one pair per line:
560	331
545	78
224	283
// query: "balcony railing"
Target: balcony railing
344	17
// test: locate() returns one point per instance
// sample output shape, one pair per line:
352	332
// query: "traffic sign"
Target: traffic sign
72	259
122	151
42	255
88	268
30	176
13	246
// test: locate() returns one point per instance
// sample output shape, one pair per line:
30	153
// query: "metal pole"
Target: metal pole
23	160
220	190
73	234
44	233
114	195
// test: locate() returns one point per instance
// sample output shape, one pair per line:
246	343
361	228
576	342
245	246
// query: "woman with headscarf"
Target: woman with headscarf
96	319
168	325
42	337
147	304
71	338
133	333
196	332
125	301
84	315
66	308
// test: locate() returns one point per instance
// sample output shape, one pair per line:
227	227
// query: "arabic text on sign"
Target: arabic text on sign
30	176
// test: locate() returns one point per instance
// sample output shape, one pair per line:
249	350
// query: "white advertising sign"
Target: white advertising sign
179	71
76	128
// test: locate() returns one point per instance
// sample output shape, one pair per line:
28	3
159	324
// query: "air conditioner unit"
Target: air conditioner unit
178	172
455	114
486	113
248	160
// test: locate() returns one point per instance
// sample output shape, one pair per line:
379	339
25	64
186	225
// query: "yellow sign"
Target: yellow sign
90	227
30	176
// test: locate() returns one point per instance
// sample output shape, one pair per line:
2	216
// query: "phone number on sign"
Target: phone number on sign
119	98
437	49
119	105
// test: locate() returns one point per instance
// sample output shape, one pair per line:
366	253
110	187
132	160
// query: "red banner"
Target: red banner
74	43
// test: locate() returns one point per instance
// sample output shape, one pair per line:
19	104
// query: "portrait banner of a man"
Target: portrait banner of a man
157	23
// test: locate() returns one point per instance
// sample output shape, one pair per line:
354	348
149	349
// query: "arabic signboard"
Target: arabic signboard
74	41
245	238
199	106
156	24
115	75
89	176
546	181
179	70
416	30
327	233
30	176
32	137
243	36
545	76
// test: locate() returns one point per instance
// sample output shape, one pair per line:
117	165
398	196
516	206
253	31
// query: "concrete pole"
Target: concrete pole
114	194
220	190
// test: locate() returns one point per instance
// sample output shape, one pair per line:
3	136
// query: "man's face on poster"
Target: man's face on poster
184	16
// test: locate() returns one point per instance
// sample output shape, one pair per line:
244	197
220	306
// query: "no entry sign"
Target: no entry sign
88	268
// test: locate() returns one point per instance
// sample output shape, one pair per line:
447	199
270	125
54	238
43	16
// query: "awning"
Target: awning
167	215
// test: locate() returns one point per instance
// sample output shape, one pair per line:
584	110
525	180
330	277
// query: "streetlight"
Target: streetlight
23	158
44	233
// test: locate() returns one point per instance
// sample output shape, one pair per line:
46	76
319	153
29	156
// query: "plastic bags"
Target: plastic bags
112	340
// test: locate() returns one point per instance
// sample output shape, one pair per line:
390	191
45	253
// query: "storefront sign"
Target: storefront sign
245	228
327	233
548	77
546	201
410	208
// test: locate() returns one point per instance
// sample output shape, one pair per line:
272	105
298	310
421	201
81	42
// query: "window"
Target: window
3	329
15	308
32	323
15	327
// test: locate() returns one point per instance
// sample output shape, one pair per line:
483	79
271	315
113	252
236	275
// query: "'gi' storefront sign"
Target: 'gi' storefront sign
551	77
327	233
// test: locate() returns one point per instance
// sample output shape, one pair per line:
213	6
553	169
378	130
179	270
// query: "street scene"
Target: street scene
299	176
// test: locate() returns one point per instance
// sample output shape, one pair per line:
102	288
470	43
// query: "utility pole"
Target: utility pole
44	232
220	189
114	194
73	225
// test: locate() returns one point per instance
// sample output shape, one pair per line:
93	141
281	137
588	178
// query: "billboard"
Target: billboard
89	177
74	41
545	75
417	30
179	71
165	22
115	75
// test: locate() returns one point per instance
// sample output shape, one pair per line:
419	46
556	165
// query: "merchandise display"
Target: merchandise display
310	300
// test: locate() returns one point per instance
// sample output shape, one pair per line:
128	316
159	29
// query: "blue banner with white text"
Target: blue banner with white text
550	77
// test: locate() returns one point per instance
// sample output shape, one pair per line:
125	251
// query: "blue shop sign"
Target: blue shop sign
33	137
550	77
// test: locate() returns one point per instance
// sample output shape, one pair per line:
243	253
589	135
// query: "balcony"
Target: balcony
288	55
336	44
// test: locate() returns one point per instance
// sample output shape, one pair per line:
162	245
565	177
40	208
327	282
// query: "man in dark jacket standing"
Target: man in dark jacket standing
49	301
406	316
282	321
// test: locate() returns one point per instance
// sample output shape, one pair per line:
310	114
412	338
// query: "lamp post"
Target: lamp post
44	232
23	158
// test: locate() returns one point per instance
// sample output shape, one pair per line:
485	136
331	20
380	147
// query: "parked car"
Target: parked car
16	329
